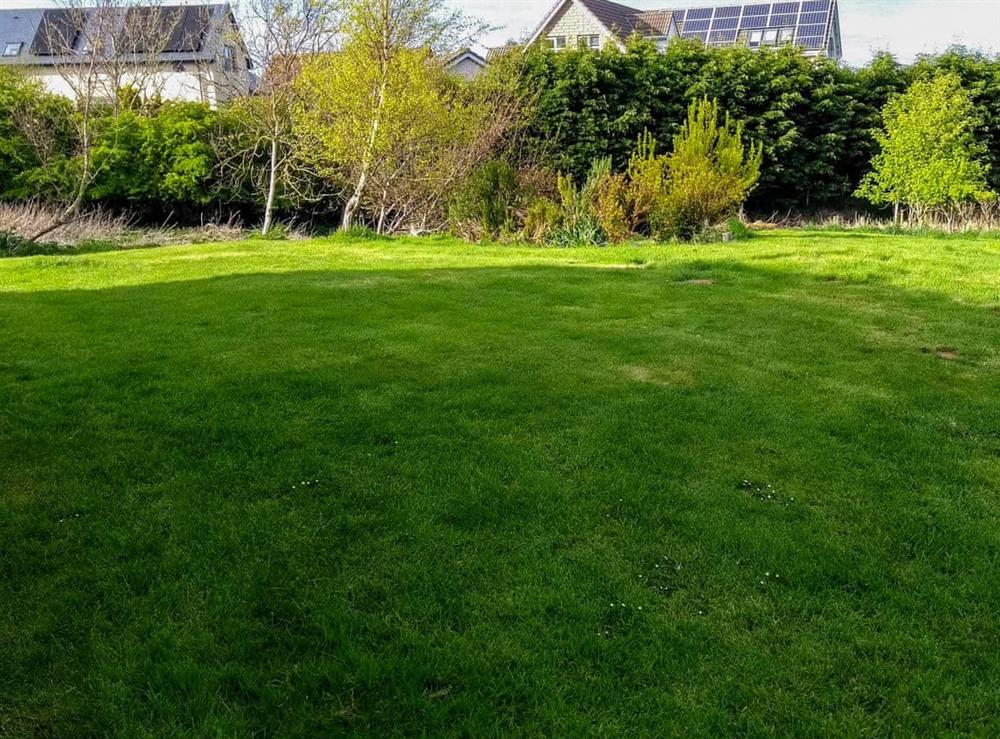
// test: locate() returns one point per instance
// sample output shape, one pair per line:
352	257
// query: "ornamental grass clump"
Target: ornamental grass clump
578	222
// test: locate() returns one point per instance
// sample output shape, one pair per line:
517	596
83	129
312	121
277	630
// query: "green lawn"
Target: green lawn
420	487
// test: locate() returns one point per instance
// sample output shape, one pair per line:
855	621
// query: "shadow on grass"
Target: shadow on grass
402	501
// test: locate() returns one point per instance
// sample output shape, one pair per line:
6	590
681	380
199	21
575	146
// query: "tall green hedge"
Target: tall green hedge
816	119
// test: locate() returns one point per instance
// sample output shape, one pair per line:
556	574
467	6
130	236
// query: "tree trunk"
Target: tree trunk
381	218
355	200
369	154
272	186
897	216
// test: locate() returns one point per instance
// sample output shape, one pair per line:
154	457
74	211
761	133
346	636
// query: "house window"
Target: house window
12	49
786	35
228	57
590	41
755	37
557	42
770	37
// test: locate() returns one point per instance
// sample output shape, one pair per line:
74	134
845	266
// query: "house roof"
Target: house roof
463	54
499	52
615	17
49	37
619	20
655	22
813	24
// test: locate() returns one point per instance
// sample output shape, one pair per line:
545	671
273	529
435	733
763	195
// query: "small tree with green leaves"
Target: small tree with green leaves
710	174
930	160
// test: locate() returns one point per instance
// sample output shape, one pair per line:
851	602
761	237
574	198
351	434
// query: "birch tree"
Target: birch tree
281	35
382	39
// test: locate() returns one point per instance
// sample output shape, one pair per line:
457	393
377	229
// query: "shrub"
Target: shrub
161	157
578	223
486	207
739	230
647	174
36	139
541	219
623	203
710	174
613	208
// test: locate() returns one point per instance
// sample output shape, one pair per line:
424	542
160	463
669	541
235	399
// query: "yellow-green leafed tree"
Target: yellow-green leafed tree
383	115
930	159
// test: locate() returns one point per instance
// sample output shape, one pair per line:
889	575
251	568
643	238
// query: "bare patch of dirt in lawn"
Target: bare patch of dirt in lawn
701	281
668	378
948	353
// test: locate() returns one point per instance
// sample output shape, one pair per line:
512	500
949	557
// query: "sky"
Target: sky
904	27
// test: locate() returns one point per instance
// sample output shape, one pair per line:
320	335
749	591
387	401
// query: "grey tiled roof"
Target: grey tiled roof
619	18
192	31
499	52
654	22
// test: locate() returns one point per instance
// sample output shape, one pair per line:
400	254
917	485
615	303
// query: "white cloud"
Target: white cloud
910	27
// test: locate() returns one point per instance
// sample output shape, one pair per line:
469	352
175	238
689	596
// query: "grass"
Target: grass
419	487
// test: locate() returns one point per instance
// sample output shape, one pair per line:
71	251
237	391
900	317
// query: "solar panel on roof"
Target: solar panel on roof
812	30
805	22
722	36
807	18
58	32
164	29
189	31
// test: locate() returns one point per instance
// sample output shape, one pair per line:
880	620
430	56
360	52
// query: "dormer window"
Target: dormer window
12	48
557	42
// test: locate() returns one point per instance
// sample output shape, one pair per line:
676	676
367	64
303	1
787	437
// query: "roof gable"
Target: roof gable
618	21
